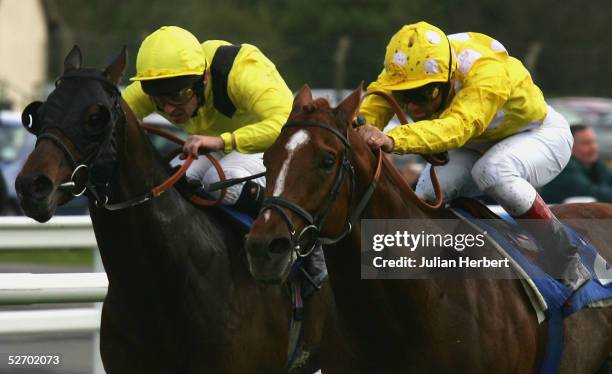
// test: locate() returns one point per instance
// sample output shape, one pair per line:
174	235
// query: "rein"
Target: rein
433	159
171	181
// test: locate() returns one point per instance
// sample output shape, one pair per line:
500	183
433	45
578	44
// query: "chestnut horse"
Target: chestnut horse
180	297
319	174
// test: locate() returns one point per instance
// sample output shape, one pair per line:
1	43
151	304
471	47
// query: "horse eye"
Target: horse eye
328	161
100	117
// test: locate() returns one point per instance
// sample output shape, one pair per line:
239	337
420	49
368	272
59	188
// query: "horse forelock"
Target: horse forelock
319	104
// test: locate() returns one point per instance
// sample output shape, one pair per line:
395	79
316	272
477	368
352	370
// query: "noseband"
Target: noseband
315	222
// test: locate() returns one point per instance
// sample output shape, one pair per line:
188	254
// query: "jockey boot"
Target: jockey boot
559	257
313	271
250	199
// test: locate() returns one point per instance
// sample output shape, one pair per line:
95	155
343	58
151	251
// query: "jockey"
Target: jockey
468	96
230	99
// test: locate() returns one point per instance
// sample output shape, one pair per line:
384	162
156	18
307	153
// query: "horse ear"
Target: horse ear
348	107
74	59
303	97
115	70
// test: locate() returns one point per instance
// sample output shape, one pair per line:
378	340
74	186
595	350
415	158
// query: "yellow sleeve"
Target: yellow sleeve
257	87
138	101
485	90
376	111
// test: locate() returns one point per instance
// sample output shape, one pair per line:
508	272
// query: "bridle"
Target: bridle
345	169
98	190
317	220
86	163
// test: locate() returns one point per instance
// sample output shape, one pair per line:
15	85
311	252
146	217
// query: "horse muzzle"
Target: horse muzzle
35	192
269	258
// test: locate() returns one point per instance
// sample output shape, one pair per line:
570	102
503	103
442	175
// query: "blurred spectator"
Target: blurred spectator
584	175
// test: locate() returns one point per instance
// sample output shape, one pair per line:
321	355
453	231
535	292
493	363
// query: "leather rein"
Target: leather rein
156	191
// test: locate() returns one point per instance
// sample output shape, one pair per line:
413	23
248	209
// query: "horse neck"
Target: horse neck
388	201
137	167
148	231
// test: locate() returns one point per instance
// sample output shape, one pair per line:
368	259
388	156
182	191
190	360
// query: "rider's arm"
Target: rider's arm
376	111
138	101
485	90
256	87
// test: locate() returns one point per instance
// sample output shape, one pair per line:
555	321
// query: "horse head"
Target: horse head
311	185
75	129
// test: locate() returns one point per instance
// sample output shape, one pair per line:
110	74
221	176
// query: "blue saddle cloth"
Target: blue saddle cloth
557	296
560	301
244	220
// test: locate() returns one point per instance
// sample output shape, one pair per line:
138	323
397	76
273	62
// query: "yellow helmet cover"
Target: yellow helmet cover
418	54
169	52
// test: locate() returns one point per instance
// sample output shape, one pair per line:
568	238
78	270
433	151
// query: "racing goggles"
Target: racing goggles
421	95
180	98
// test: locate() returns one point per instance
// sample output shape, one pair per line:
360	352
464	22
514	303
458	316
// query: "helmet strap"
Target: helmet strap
199	88
450	81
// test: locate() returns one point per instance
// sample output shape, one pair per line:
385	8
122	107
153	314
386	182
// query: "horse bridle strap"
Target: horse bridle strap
60	144
308	123
86	75
277	201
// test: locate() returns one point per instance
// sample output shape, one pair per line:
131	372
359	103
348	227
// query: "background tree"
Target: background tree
564	42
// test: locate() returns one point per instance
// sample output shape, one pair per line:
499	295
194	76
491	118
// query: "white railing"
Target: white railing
49	321
20	288
59	232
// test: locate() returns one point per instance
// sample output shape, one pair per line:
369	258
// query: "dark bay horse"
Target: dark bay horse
180	297
398	326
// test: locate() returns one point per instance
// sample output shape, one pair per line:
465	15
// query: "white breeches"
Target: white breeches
234	165
509	170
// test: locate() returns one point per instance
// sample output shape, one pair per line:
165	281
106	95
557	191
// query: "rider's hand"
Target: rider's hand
375	138
195	143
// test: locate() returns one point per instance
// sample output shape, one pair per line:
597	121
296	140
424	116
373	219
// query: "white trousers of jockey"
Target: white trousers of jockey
468	96
234	165
509	170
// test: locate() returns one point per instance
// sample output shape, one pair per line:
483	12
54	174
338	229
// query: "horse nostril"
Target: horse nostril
41	187
279	245
36	187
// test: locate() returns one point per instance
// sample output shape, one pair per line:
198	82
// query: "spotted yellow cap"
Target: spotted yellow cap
418	54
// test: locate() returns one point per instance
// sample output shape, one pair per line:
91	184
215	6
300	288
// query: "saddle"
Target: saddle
551	300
